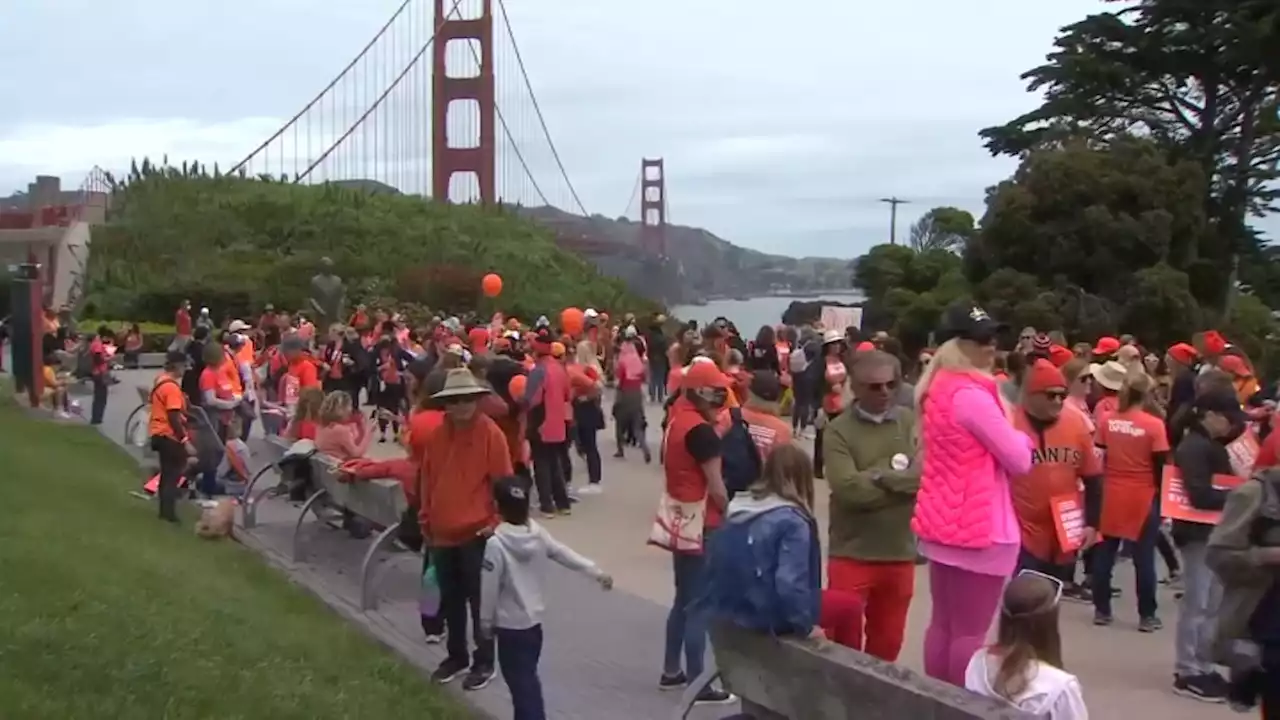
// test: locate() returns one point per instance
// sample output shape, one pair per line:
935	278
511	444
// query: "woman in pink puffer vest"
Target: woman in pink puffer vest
964	514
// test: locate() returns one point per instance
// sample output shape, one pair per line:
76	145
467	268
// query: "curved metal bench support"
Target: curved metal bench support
129	424
368	569
249	503
309	506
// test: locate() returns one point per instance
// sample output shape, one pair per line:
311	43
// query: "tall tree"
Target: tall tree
1201	78
942	228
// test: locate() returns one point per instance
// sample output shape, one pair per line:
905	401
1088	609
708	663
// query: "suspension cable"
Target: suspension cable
376	103
506	21
502	121
326	89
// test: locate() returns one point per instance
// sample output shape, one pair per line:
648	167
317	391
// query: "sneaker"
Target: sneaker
1205	688
592	489
565	512
1102	620
1150	624
548	514
673	682
1077	593
714	696
477	678
449	670
435	638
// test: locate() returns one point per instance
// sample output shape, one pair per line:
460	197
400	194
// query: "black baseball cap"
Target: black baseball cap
511	495
966	321
1222	402
766	385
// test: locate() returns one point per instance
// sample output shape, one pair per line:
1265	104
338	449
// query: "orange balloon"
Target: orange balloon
516	387
572	321
492	285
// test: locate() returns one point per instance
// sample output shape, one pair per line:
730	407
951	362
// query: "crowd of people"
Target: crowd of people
1020	477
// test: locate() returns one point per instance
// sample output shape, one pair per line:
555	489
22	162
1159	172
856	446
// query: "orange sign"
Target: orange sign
1068	521
1175	505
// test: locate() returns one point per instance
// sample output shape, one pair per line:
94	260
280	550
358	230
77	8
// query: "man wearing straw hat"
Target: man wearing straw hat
460	461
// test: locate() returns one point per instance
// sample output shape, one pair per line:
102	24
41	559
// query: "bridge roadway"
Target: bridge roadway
603	651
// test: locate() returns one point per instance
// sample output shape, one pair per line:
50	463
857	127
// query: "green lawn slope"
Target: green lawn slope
105	612
235	244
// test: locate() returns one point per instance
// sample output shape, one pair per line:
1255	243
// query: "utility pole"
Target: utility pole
894	202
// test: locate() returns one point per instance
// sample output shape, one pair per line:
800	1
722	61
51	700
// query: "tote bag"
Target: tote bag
678	526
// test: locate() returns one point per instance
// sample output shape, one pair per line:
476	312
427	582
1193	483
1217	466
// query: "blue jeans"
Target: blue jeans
1144	568
1197	613
689	615
518	654
657	384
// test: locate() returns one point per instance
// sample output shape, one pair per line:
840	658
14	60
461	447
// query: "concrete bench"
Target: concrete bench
792	679
381	502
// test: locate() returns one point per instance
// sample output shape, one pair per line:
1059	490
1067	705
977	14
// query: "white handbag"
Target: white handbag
678	526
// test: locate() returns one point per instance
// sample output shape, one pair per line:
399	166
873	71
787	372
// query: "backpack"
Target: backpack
740	457
797	361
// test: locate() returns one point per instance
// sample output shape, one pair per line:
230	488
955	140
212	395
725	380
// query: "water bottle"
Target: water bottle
429	600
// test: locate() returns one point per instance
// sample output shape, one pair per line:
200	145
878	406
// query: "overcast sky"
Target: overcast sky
781	124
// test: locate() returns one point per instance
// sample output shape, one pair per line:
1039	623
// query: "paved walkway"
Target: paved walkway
603	650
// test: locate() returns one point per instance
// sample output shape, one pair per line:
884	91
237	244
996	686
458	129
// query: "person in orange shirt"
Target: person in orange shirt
167	427
760	411
460	461
833	379
1107	380
1136	447
300	372
1062	464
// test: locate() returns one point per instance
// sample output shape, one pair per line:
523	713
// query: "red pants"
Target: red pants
885	589
841	618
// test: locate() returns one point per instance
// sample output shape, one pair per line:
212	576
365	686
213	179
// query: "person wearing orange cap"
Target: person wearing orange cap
1105	348
691	467
1183	363
1060	356
546	402
1212	345
1063	459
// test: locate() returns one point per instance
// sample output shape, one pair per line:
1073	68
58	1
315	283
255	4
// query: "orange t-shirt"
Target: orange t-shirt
229	374
421	424
1063	455
1129	438
768	431
459	466
166	396
1105	406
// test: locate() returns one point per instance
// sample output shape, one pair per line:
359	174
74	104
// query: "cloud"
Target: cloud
781	125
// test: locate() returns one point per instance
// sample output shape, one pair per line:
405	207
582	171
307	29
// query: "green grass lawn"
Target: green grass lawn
105	612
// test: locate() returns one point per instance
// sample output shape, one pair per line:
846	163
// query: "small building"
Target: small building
50	226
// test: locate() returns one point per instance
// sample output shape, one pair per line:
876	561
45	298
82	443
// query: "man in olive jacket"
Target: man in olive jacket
873	472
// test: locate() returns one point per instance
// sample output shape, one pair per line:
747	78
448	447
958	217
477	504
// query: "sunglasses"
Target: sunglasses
1058	587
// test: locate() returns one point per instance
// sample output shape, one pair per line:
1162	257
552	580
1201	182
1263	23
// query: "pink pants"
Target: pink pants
964	604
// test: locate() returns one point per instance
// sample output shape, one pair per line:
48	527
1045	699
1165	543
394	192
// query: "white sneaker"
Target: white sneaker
592	489
61	415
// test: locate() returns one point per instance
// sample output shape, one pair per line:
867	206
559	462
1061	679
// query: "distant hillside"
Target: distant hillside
711	266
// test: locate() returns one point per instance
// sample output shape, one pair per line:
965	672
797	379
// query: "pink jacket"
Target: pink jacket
970	449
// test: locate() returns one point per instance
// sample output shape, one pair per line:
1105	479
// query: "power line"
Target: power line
506	21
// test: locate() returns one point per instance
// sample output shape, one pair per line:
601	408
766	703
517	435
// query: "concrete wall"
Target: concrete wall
787	679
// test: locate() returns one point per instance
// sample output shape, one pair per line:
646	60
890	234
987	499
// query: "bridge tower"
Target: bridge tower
448	93
653	208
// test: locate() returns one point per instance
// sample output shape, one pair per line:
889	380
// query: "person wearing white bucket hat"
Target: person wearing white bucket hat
461	460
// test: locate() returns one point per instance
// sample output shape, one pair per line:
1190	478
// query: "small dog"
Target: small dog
216	521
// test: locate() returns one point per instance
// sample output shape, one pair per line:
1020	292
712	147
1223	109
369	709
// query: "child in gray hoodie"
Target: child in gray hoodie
515	560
